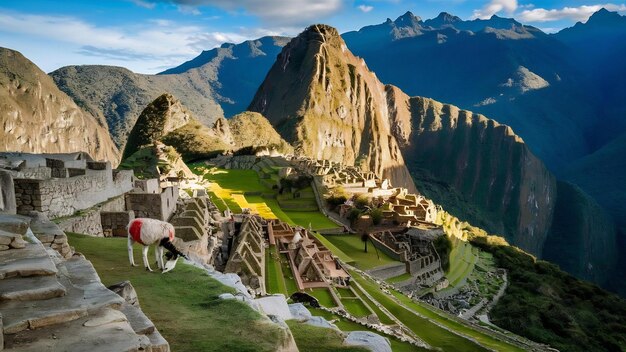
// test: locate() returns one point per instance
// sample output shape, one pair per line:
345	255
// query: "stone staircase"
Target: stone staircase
48	303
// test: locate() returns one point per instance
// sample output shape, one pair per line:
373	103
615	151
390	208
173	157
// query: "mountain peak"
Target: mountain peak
604	17
407	19
443	19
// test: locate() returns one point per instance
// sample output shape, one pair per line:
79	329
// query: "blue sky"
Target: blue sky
148	36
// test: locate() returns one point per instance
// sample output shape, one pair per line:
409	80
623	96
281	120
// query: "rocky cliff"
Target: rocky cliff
488	164
36	117
325	101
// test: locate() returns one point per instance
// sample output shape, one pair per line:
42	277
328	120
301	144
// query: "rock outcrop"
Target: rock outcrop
36	117
167	121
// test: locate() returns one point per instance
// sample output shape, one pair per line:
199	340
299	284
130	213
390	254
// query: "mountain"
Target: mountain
219	82
598	47
167	121
37	117
497	67
328	105
325	101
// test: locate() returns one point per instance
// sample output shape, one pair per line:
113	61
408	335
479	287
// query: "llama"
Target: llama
148	232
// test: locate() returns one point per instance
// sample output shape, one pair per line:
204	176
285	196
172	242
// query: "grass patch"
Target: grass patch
345	292
317	220
182	304
353	247
355	307
336	251
316	339
399	278
462	261
383	317
323	295
274	278
290	282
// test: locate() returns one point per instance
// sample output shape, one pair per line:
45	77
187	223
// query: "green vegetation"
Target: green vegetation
399	278
274	278
143	163
323	295
236	188
355	307
290	282
383	317
548	305
195	141
316	339
352	246
462	261
182	304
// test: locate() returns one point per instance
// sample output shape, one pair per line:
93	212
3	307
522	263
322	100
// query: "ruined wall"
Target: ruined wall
7	193
89	222
114	223
59	197
159	206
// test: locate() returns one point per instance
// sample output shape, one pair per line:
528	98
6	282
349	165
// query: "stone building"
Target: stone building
312	264
414	247
247	256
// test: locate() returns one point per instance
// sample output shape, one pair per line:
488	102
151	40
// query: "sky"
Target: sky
149	36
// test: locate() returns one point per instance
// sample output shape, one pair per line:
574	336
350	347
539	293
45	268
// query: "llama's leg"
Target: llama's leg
130	252
158	253
145	258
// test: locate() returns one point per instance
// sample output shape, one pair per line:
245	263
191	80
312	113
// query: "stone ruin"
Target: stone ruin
247	255
414	247
312	264
80	194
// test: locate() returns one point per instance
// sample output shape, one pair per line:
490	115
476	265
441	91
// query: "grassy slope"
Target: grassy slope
182	304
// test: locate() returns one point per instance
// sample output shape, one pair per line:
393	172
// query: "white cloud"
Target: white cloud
496	6
365	8
580	13
144	4
140	46
283	12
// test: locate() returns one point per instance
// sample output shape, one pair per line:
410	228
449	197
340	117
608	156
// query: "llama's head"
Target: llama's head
170	264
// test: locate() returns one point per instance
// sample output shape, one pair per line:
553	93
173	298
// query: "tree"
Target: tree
377	216
365	237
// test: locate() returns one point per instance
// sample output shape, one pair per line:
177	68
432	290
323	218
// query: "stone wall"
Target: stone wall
7	193
159	206
89	222
114	223
59	197
50	234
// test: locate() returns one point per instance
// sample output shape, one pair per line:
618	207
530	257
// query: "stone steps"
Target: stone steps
32	260
30	288
103	330
84	294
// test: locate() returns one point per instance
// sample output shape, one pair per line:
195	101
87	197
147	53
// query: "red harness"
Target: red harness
135	231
